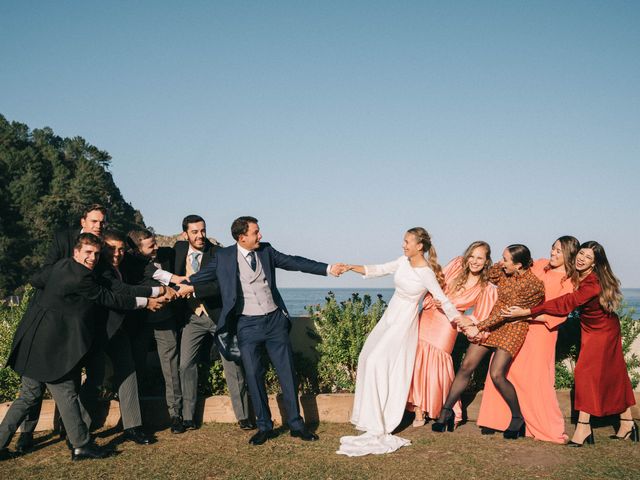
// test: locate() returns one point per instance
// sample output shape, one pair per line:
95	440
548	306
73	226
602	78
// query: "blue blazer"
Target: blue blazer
223	267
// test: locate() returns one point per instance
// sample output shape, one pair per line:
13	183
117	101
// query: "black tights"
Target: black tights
498	372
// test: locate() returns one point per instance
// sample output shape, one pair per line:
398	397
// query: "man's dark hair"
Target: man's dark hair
87	239
114	235
240	226
136	236
191	219
94	207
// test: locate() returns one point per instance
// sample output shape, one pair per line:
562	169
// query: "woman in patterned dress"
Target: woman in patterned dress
514	280
532	371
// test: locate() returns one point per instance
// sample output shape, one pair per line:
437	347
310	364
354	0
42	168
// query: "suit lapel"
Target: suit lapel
232	262
266	265
207	254
181	259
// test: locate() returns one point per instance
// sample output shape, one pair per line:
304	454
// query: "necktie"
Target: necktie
252	259
195	262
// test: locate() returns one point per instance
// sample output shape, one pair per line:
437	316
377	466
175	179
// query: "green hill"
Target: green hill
45	181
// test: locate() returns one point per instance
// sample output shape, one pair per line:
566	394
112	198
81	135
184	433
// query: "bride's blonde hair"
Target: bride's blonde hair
424	239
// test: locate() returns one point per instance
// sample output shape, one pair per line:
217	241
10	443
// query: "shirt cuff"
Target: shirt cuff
141	302
162	276
155	291
328	270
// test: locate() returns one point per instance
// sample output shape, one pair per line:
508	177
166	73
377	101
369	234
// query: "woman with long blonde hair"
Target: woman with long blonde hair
385	364
466	283
602	385
516	283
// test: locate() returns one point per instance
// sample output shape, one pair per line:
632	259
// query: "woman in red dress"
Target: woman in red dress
602	385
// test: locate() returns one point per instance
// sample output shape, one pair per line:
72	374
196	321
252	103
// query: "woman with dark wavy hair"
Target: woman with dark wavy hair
516	284
602	385
532	371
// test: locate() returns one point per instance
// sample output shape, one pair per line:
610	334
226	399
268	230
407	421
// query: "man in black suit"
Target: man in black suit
201	312
112	339
162	324
93	220
55	334
254	312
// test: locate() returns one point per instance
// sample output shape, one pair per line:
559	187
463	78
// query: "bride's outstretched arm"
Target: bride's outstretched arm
356	268
372	271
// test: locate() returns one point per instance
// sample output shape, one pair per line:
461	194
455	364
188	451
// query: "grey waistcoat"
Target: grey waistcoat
255	289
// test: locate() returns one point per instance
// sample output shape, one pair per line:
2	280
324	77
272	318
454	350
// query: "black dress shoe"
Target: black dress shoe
24	443
261	437
89	451
247	424
136	435
5	454
487	431
189	425
176	425
305	435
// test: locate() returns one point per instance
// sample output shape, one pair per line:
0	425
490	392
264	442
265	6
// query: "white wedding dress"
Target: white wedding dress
385	365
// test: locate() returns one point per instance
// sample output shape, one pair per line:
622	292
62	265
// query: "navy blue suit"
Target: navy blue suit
247	336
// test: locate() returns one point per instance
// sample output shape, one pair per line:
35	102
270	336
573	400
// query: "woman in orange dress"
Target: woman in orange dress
516	285
602	385
532	371
467	286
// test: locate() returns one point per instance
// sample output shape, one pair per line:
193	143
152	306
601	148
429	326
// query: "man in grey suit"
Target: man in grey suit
201	312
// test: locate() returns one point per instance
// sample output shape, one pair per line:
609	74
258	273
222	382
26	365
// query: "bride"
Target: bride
385	365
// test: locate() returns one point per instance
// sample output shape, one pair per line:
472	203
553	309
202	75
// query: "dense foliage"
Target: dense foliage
45	182
10	316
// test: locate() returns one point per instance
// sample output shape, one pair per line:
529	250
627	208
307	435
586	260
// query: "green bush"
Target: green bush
10	316
215	383
341	330
630	329
568	346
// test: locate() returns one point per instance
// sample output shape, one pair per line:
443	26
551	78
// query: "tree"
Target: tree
45	182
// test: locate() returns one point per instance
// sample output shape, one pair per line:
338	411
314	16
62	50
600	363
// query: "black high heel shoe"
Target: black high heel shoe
514	434
632	434
448	423
588	441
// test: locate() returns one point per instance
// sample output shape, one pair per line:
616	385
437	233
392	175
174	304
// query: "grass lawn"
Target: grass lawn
222	451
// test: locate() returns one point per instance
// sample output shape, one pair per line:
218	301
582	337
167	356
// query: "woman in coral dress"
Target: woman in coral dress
532	371
467	286
516	284
385	364
602	385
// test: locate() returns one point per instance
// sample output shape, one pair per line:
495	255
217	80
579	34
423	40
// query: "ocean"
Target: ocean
297	298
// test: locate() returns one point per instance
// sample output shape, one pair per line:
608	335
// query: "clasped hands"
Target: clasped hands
166	295
338	269
470	329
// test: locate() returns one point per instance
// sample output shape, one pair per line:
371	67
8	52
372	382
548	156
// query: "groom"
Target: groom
253	312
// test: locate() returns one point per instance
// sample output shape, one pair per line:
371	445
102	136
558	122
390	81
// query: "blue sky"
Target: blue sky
341	124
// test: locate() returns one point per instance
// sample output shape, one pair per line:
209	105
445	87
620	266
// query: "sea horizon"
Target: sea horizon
297	298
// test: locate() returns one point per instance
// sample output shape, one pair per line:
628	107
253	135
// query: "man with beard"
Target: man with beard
201	312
